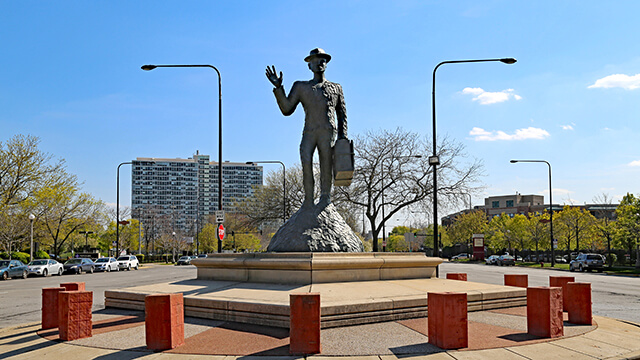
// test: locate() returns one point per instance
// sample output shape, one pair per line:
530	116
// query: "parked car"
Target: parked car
561	260
506	260
107	264
491	260
45	267
587	262
13	269
79	265
184	260
460	256
202	256
127	262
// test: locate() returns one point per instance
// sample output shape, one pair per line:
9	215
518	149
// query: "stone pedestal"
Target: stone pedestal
74	314
544	312
164	321
578	303
457	276
304	327
562	281
447	320
50	307
518	280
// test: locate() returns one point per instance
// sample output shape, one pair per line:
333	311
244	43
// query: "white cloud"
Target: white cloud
486	97
567	127
480	134
618	80
634	163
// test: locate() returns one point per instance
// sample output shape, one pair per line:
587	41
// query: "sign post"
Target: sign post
478	246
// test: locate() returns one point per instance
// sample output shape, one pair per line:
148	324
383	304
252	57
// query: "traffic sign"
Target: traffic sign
219	216
221	232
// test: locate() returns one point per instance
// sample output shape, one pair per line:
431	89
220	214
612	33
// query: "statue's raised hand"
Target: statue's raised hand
273	76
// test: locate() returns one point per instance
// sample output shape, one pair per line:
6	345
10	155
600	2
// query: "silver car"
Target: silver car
107	264
587	262
45	267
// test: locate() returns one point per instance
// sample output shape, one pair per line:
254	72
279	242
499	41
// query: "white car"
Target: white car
45	267
127	262
107	264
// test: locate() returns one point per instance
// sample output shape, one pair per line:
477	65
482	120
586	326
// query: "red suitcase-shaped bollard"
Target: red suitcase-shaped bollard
457	276
164	321
544	311
561	281
50	307
518	280
447	320
74	314
304	323
579	303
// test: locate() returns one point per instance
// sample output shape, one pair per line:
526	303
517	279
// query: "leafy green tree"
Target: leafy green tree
208	238
537	227
627	235
575	224
508	233
465	225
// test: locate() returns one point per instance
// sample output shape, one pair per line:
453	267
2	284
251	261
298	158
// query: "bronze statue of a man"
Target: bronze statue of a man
323	104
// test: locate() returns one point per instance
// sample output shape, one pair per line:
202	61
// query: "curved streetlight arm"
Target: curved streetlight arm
434	160
553	254
151	67
284	184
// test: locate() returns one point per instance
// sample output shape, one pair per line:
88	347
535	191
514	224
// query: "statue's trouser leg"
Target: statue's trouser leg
307	146
325	153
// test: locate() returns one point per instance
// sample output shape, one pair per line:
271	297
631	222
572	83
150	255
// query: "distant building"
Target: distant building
528	204
176	192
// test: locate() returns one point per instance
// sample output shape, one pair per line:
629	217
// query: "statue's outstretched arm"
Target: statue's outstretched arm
273	77
286	103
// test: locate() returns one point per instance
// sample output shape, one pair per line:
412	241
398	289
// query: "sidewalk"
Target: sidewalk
494	334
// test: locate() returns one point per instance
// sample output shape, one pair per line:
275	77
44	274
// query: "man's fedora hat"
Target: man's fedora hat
319	53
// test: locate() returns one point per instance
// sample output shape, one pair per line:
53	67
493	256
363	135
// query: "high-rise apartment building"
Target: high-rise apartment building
174	193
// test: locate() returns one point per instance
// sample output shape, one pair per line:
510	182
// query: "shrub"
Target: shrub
4	256
40	255
140	257
24	257
612	259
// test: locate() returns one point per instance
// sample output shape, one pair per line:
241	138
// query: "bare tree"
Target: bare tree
386	162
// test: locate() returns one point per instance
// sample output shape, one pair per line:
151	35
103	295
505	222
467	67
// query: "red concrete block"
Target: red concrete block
73	286
448	326
457	276
578	303
304	323
519	280
561	281
74	314
544	311
50	307
164	321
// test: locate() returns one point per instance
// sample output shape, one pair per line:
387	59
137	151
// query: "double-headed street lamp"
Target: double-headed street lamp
384	229
553	254
151	67
284	184
86	237
434	160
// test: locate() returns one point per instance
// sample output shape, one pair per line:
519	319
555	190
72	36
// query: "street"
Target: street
21	299
613	296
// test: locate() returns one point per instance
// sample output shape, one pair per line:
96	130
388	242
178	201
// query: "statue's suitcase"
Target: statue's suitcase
343	159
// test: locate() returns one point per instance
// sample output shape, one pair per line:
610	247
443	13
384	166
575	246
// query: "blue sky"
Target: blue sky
70	74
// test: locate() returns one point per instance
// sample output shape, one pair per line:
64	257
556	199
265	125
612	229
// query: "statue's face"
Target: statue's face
318	64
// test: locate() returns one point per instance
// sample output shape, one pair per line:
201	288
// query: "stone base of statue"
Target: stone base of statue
315	228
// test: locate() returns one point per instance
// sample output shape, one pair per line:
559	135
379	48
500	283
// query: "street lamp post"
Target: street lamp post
384	229
86	237
284	184
434	160
118	206
31	218
553	254
151	67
